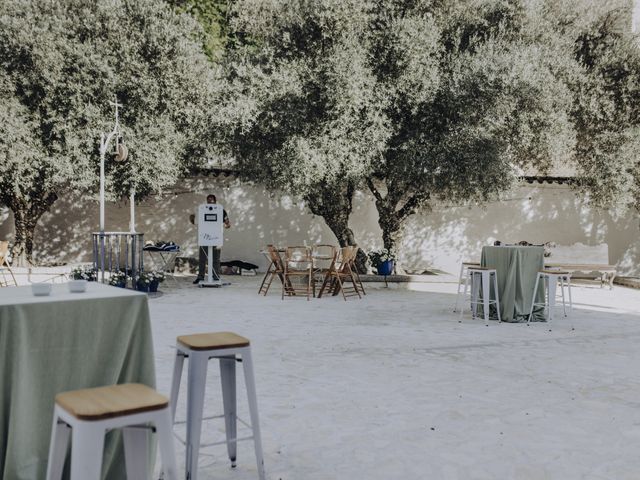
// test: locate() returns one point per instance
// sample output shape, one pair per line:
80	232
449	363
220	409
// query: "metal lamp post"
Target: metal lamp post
121	154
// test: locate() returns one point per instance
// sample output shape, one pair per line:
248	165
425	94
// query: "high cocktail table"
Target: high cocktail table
65	341
516	269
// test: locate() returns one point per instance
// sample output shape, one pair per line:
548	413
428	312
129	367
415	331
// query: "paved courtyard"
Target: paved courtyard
393	387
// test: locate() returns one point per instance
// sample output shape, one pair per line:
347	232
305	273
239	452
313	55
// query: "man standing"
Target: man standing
202	254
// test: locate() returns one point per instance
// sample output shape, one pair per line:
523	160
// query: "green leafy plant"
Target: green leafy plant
144	279
84	273
157	276
378	256
119	278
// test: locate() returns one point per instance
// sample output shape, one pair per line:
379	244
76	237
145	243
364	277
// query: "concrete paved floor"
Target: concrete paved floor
393	387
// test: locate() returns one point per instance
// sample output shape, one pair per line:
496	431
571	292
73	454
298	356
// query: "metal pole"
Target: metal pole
102	154
132	210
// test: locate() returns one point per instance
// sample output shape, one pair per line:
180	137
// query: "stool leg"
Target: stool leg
495	285
461	278
178	365
475	293
86	452
196	381
57	449
486	293
467	283
228	380
136	451
164	423
552	285
569	288
249	379
564	304
533	300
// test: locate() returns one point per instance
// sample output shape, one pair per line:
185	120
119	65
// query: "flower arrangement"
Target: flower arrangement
144	279
157	276
119	278
378	256
84	273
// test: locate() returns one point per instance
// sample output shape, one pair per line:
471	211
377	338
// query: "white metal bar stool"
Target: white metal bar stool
87	415
551	279
480	277
565	281
463	280
228	348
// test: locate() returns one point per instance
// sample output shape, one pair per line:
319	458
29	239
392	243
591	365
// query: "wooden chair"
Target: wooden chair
298	263
339	274
323	256
5	266
354	269
276	268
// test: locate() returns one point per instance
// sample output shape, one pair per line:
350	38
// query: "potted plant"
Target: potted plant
84	273
79	278
383	260
119	279
157	278
143	282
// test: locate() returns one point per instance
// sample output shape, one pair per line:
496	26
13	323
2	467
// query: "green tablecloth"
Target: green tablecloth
517	269
64	342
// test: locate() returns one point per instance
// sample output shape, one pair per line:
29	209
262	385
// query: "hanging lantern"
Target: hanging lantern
122	152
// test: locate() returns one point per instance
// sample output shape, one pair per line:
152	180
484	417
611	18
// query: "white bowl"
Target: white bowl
41	289
77	286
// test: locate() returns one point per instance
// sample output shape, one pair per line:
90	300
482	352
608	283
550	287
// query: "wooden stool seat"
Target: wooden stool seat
213	341
471	263
554	272
111	401
480	268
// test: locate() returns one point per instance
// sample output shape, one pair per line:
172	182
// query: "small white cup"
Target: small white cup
41	289
77	286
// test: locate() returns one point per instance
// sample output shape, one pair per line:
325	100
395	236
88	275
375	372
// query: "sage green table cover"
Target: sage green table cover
517	269
63	342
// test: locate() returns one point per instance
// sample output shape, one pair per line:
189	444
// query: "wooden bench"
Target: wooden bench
592	260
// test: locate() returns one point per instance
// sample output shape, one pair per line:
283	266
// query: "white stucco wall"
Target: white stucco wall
439	239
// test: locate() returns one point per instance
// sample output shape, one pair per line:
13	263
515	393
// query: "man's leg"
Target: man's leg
202	262
216	260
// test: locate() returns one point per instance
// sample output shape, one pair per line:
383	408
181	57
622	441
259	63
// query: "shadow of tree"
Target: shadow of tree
438	239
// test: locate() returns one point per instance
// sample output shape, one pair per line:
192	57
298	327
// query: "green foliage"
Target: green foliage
213	16
606	110
62	62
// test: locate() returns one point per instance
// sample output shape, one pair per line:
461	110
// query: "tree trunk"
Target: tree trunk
390	234
26	216
22	251
334	205
393	210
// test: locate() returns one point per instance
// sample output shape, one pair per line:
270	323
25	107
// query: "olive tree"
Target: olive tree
60	65
304	113
472	102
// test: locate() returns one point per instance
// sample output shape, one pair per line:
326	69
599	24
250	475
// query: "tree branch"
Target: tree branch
410	206
374	190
